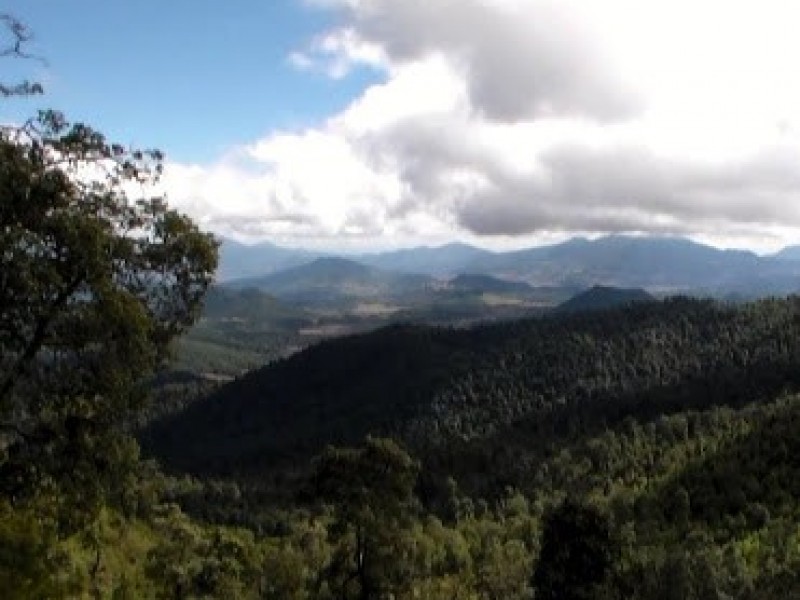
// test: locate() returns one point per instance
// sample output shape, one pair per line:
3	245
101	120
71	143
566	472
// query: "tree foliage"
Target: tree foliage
97	276
93	286
371	492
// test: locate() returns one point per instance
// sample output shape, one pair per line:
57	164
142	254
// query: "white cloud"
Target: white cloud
337	53
505	118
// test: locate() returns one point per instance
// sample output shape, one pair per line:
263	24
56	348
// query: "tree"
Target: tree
190	561
578	553
94	284
371	490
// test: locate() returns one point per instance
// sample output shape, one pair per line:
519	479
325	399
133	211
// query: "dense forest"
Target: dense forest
670	429
646	451
490	392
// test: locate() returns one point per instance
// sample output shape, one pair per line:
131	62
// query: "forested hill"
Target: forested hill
328	279
601	297
476	403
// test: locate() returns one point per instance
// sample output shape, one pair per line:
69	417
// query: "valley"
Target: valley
291	299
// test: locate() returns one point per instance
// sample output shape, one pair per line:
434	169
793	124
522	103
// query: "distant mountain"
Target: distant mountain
241	260
660	264
488	284
247	304
441	261
601	297
656	263
789	253
669	263
336	279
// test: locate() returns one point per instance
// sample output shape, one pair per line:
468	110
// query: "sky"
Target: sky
365	124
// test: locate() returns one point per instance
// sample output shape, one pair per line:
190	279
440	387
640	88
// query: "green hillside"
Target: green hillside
671	424
496	392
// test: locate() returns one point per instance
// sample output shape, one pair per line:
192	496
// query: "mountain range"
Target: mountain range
661	265
238	260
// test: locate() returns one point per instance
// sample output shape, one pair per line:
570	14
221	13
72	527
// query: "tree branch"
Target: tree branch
21	34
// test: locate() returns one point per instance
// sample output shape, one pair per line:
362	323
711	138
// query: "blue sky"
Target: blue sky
382	123
193	77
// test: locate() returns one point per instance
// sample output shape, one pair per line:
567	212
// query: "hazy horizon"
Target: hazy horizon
511	246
